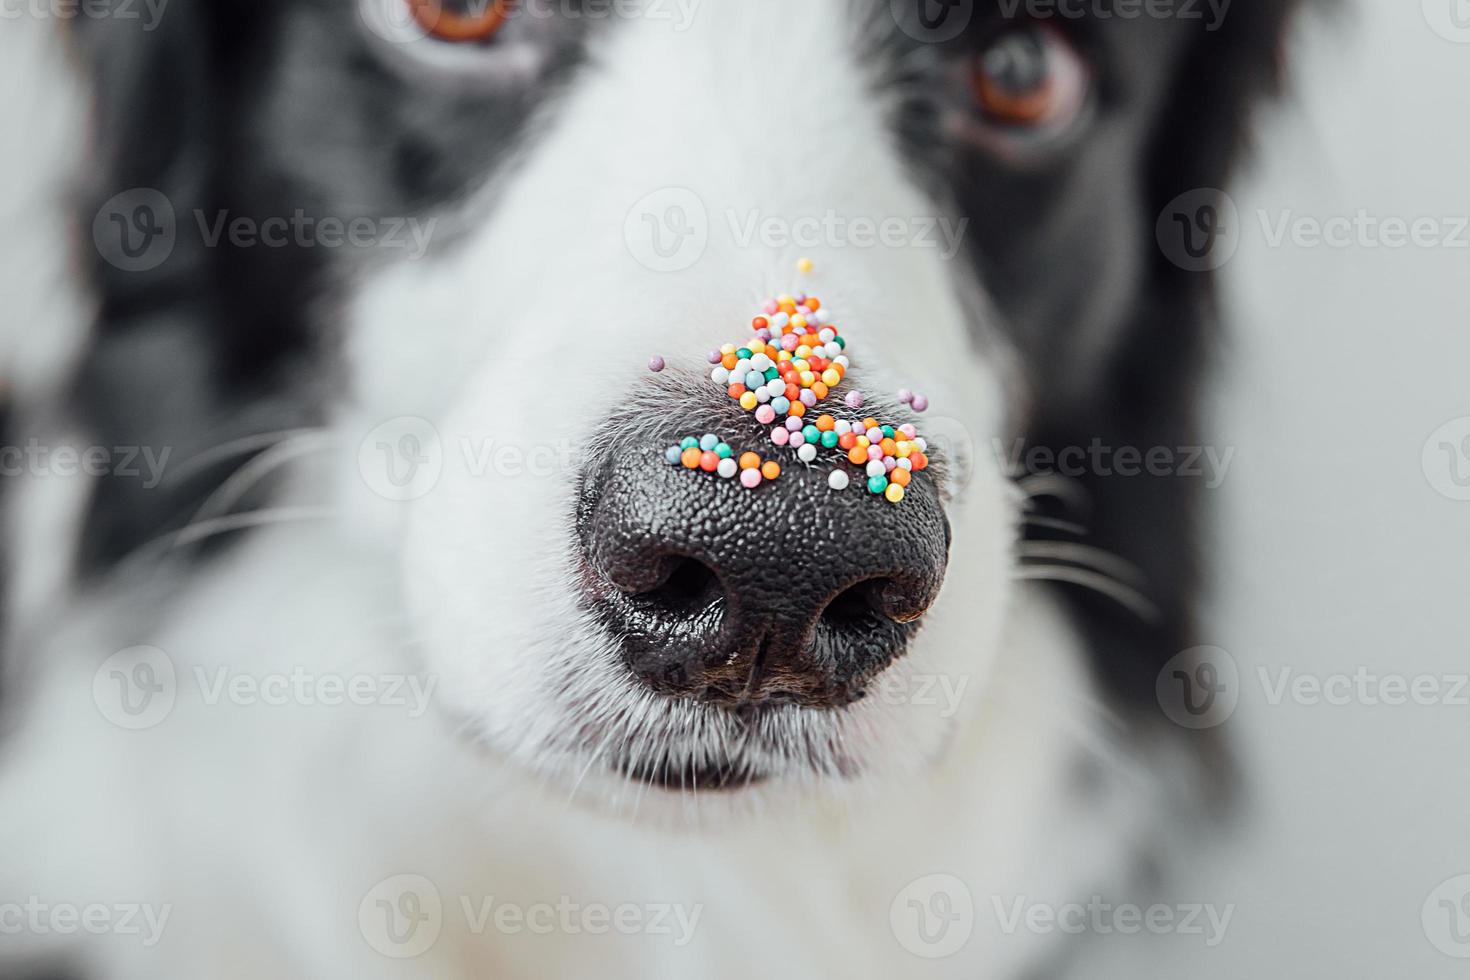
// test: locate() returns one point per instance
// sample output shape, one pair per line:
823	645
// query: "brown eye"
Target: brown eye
461	20
1030	77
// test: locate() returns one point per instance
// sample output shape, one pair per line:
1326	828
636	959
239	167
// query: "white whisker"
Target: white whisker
1126	596
1086	555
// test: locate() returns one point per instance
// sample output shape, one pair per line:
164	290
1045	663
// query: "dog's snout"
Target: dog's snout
790	591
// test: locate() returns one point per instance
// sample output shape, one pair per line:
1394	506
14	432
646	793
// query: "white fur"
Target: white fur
265	827
43	117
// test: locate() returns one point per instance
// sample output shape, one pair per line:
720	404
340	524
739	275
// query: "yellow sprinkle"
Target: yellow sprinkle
894	493
804	265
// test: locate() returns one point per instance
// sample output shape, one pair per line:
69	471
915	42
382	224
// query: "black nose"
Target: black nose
790	591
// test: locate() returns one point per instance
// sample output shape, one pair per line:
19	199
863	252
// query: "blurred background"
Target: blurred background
1342	543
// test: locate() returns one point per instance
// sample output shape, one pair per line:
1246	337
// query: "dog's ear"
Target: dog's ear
173	363
1154	377
1204	130
155	88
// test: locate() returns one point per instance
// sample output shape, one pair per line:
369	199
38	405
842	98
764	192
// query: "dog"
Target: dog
355	623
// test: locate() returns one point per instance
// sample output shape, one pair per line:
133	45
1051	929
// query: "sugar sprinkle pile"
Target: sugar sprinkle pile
792	364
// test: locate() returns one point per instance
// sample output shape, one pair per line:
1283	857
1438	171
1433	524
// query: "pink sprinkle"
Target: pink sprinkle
854	399
765	415
715	357
764	333
794	424
875	435
780	436
889	463
905	396
920	403
808	397
751	478
797	439
875	451
908	429
770	308
655	364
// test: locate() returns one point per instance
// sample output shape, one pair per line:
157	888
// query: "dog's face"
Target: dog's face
600	183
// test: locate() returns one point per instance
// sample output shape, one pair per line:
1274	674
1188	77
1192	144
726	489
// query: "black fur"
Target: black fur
1115	337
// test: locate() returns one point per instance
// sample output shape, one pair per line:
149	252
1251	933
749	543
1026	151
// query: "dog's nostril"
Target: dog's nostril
875	601
689	585
856	607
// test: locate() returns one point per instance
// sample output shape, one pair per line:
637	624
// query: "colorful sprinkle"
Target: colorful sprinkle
655	364
795	360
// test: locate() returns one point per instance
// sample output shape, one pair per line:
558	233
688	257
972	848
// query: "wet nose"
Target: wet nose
790	591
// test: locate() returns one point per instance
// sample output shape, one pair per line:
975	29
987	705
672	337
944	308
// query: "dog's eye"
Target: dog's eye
1030	77
462	21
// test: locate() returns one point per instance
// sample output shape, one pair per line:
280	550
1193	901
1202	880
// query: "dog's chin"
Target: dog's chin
743	758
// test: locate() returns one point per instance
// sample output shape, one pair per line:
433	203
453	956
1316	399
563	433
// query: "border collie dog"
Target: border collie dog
355	624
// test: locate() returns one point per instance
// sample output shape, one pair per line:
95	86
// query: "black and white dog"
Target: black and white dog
354	624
